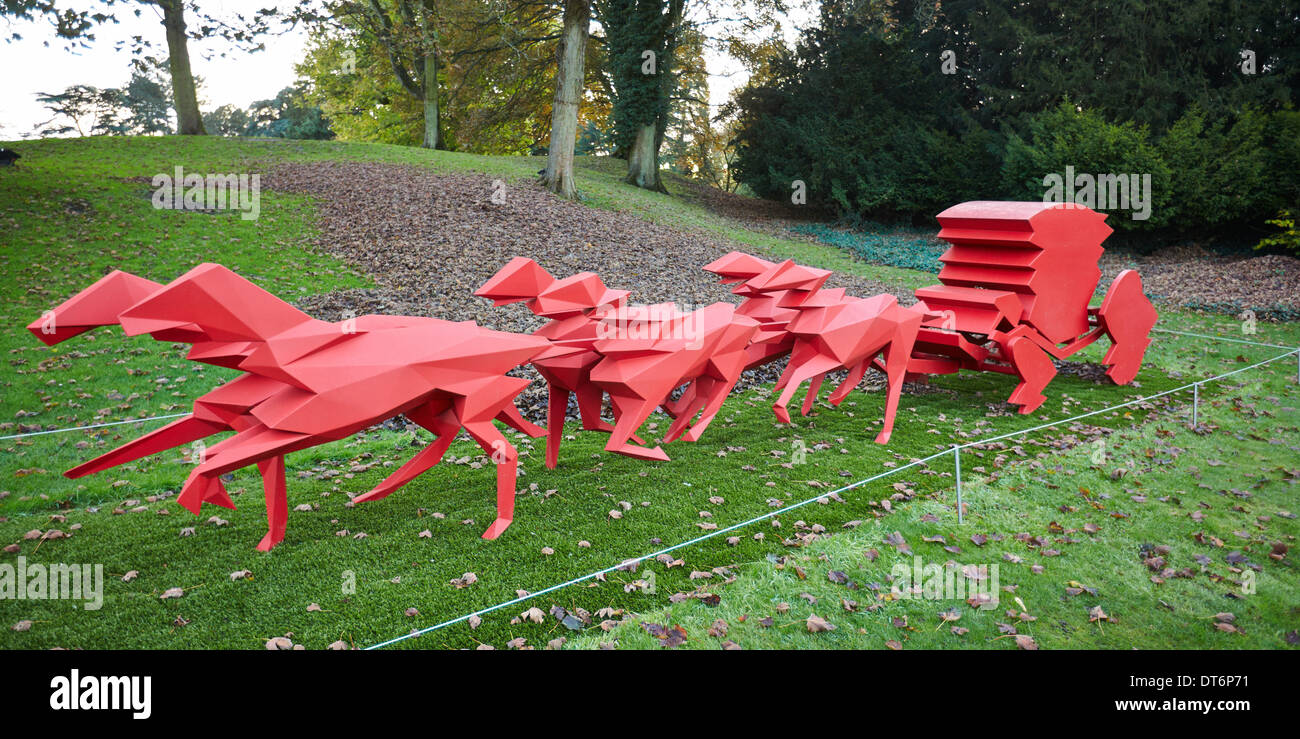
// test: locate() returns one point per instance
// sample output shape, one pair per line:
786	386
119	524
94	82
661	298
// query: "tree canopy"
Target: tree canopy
898	109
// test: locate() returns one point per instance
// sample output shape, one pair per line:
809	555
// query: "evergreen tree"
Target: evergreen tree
641	38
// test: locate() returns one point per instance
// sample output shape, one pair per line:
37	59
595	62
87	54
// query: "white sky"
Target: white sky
28	66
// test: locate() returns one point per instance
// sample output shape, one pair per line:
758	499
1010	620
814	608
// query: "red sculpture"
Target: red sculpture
822	330
307	382
1014	293
765	286
570	304
705	348
638	355
1016	283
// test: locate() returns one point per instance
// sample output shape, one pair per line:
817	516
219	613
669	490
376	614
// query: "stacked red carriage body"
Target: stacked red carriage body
1014	294
1015	291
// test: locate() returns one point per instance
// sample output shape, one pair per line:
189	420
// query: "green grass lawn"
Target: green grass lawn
73	209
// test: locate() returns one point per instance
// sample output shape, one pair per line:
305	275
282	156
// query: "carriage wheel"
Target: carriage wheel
1128	317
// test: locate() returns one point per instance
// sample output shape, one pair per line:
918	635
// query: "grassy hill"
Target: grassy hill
1075	517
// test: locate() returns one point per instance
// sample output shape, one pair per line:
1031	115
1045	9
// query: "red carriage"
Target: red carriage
1014	293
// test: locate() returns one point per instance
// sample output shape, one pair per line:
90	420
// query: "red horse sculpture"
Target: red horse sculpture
822	330
638	355
570	304
704	348
307	381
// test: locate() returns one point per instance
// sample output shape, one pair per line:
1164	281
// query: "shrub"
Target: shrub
1218	170
880	245
1066	136
1287	239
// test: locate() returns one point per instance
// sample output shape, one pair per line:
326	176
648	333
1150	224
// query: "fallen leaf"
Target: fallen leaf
279	643
817	624
1025	641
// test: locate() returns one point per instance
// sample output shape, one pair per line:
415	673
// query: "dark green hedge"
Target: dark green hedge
863	113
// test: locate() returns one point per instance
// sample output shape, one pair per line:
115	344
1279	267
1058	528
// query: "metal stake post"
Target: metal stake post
956	456
1196	402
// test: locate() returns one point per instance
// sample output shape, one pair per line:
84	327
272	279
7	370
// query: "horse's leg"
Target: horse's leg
506	457
898	353
443	429
896	371
199	489
277	501
257	444
675	408
700	391
632	413
511	417
786	374
718	394
813	388
797	372
590	398
838	395
556	405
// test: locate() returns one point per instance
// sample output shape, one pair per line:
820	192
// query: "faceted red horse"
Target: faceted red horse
307	381
825	330
658	350
765	285
574	305
638	355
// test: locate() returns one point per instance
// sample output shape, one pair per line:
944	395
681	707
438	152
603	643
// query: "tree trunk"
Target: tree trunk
568	96
643	160
189	122
430	42
430	101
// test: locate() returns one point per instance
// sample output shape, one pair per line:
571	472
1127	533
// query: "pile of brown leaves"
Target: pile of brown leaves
1190	275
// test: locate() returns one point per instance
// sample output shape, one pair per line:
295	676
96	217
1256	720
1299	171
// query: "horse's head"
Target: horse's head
210	303
737	266
784	276
521	279
98	305
576	295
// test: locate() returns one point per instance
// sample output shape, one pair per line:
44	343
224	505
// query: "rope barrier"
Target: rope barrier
1221	338
95	426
